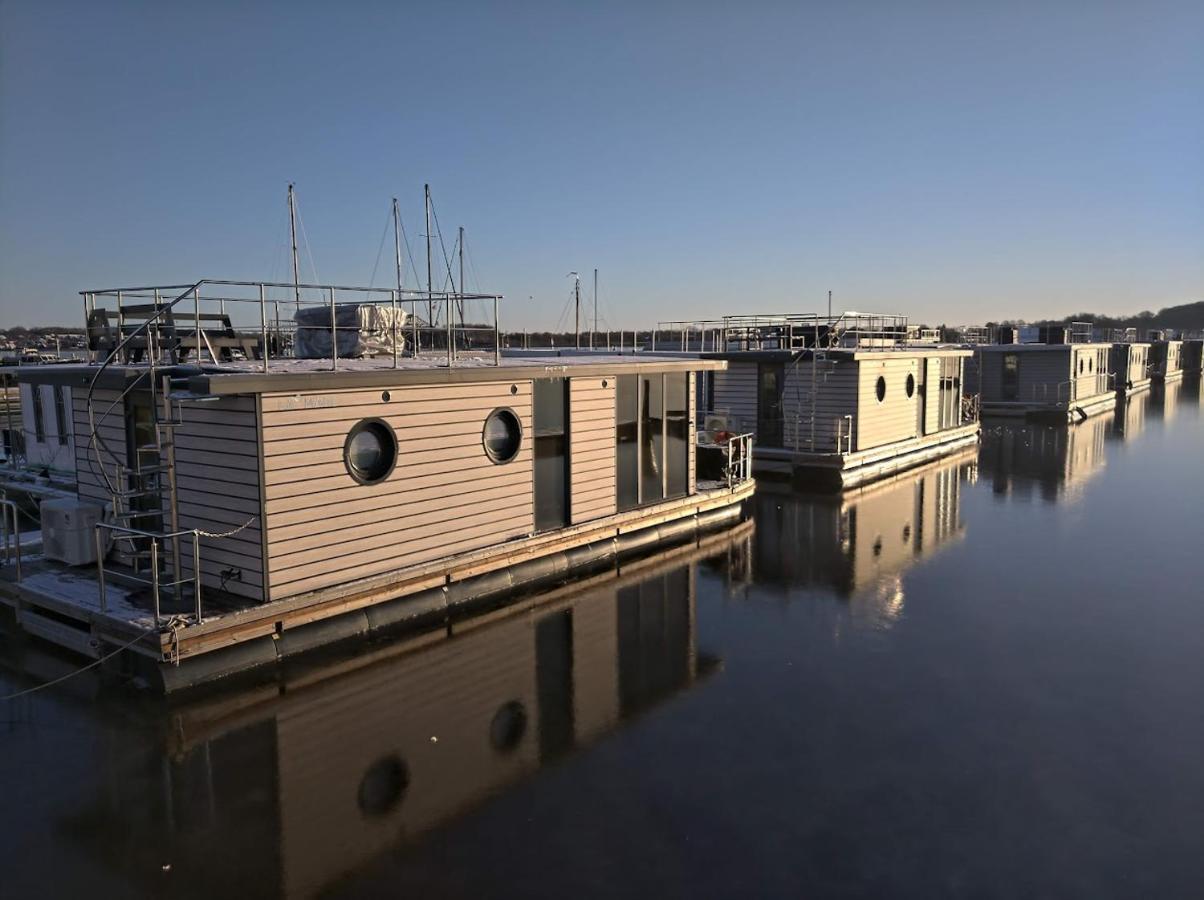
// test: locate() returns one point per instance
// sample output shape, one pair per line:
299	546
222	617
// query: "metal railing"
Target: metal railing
258	320
738	454
155	582
791	331
11	539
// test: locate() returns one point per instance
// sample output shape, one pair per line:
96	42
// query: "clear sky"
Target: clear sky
956	161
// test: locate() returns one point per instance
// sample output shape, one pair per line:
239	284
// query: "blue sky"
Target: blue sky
954	161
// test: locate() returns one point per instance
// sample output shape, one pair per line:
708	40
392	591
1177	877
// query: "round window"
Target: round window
383	786
911	385
508	726
1080	365
1091	365
370	451
503	435
880	389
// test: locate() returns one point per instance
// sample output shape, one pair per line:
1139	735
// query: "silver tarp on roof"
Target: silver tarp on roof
363	329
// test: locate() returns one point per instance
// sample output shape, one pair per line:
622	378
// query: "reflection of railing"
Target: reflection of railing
11	551
154	582
1068	391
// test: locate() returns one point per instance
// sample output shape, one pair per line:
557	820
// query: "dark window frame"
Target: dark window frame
493	457
371	423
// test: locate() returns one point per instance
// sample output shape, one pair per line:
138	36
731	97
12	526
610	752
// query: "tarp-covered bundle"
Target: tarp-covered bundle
363	329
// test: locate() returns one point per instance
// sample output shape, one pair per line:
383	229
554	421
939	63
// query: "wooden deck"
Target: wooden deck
62	605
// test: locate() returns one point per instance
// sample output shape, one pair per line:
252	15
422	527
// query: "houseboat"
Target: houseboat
834	401
245	493
1166	362
1192	357
1052	381
1129	365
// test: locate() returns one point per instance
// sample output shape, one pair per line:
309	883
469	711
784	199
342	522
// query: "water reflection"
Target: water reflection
1053	462
859	543
1130	417
283	788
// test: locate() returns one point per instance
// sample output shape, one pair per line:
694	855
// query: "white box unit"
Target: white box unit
68	530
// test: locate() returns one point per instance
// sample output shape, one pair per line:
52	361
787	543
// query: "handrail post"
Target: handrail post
196	572
196	303
16	532
154	561
263	325
100	569
497	342
334	335
451	331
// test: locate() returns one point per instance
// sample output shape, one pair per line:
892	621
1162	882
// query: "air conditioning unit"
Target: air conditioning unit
69	530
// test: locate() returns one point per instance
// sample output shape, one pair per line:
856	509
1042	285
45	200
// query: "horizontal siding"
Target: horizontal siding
218	491
736	394
692	461
896	417
815	401
592	448
444	496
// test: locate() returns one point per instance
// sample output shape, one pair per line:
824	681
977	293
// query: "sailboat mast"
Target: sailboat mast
595	331
292	224
460	303
577	295
430	298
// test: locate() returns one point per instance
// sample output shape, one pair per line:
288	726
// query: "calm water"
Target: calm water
984	678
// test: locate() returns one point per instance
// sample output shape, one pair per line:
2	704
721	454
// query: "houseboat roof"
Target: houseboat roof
250	377
904	351
1035	348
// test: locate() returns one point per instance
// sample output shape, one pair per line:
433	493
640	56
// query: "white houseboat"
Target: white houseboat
1129	363
244	493
1057	381
1166	363
833	400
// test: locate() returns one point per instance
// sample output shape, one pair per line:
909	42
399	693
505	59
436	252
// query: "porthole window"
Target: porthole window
911	385
370	451
503	435
1080	365
1090	365
508	727
383	786
880	389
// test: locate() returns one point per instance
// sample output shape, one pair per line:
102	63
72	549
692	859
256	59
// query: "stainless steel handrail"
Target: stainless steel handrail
156	538
15	534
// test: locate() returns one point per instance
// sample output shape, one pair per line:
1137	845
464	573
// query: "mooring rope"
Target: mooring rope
91	665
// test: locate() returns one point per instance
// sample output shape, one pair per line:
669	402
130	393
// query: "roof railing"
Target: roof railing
266	321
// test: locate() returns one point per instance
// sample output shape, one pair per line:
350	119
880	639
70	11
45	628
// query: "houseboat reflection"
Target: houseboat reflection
349	756
860	542
1047	461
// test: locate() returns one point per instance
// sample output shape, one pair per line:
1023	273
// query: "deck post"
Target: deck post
100	569
263	325
334	337
196	311
497	348
154	561
451	331
196	572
